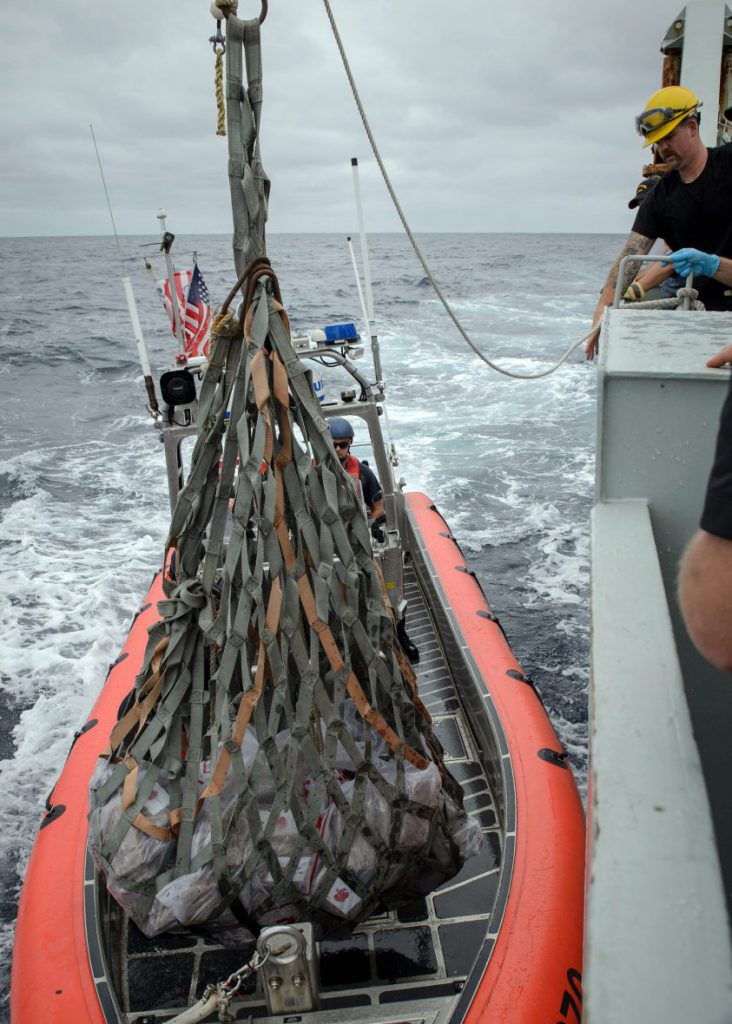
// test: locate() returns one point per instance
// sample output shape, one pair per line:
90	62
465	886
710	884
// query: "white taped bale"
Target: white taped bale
193	899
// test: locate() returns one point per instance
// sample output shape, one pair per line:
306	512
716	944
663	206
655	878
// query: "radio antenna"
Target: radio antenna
130	296
106	193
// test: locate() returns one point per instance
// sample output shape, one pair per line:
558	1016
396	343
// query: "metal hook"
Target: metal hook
218	41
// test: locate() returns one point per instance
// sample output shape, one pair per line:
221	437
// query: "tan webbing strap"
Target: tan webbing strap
249	699
129	795
353	686
144	701
276	626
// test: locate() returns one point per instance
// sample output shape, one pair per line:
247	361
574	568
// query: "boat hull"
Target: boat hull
53	979
526	967
533	970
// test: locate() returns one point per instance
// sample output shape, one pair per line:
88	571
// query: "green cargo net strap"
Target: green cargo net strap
248	182
275	637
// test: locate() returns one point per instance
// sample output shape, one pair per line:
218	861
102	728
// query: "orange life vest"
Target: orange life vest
351	466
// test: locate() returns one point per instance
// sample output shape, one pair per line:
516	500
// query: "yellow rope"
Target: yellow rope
220	107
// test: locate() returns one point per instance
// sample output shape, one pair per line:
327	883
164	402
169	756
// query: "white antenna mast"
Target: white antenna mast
366	274
130	296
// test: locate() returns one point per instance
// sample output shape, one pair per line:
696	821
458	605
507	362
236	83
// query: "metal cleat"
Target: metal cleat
289	976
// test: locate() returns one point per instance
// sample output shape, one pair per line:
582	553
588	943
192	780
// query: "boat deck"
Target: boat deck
421	951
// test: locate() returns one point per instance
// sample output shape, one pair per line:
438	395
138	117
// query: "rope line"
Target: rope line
448	309
671	302
219	88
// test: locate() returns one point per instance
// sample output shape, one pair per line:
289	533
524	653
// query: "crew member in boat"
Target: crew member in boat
689	206
367	485
369	488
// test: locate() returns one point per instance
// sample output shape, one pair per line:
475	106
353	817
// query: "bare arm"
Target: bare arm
637	245
724	274
705	596
653	275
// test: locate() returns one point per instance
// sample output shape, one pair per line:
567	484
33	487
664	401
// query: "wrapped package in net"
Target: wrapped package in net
193	898
275	762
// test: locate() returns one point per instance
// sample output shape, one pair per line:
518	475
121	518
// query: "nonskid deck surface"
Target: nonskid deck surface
424	950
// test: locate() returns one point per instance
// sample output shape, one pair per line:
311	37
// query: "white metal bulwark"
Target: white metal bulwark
657	944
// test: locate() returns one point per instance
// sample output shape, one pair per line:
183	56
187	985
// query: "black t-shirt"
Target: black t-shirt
717	515
697	215
369	485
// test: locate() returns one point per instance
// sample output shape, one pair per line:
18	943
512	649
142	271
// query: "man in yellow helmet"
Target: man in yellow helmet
691	207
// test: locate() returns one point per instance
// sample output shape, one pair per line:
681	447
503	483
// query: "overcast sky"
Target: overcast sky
514	116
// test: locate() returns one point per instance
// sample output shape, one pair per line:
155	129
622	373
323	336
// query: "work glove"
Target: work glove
686	260
376	526
635	292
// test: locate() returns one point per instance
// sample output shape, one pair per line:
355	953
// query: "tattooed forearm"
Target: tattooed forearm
637	245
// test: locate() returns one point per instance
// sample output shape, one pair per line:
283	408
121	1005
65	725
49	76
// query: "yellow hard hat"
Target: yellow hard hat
664	110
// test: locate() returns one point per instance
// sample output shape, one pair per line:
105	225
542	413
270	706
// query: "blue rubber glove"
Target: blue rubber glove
686	260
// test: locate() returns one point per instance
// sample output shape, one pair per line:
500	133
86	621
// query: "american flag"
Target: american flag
193	309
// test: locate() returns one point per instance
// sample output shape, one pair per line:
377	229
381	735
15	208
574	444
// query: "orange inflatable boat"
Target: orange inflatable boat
501	942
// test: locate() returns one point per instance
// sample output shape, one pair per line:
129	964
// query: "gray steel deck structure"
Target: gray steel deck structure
657	943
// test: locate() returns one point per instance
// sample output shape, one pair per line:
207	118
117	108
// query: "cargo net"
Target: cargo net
275	762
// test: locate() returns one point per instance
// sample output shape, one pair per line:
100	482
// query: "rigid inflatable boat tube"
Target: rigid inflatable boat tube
533	974
52	978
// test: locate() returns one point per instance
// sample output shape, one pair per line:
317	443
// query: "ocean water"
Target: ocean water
83	496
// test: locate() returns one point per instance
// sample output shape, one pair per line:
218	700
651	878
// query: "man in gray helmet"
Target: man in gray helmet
367	484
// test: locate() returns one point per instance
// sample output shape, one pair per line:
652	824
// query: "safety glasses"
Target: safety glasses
650	120
341	444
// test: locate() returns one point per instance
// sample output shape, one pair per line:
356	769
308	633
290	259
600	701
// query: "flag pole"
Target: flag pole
130	296
141	347
165	246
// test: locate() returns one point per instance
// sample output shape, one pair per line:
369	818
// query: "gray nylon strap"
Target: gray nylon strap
272	709
248	182
277	611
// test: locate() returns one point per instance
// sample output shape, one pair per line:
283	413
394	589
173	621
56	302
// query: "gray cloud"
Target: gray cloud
489	117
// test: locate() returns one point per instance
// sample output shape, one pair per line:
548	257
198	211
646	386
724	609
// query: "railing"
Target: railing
366	408
685	300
